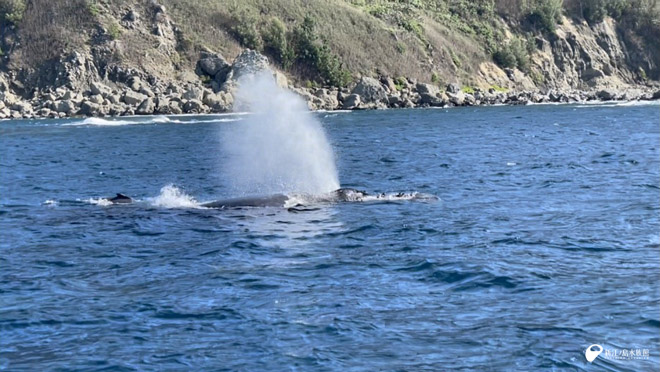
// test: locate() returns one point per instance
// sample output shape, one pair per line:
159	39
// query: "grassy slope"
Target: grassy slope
444	41
366	44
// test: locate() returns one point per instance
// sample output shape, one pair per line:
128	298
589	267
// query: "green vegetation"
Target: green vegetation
245	29
455	58
435	79
312	53
498	88
545	14
467	89
93	8
537	77
114	30
12	11
513	54
400	82
276	43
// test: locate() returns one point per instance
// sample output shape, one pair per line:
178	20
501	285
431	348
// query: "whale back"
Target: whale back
277	200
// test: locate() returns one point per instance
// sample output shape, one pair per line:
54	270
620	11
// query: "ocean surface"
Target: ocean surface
545	240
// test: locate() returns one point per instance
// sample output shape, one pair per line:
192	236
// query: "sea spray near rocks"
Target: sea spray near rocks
281	147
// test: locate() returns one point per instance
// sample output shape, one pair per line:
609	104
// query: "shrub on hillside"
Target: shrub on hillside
545	14
12	10
316	57
245	30
513	54
275	43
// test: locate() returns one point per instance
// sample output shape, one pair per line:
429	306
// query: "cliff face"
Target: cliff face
120	42
584	57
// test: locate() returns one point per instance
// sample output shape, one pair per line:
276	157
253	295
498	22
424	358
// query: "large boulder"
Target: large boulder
22	107
8	98
606	95
429	95
147	107
133	98
146	91
216	102
90	109
656	95
66	107
193	92
194	107
98	88
97	98
457	99
328	99
247	63
370	90
352	102
167	107
211	64
453	88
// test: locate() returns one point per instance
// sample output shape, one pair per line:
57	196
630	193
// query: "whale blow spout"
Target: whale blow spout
281	147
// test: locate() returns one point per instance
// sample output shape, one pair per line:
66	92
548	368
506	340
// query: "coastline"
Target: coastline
81	104
130	92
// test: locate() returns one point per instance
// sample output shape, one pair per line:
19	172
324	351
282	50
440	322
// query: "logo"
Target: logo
592	352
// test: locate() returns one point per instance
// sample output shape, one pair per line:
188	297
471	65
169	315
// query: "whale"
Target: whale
120	199
282	200
277	200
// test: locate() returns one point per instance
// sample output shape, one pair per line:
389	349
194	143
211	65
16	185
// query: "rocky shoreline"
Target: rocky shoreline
129	92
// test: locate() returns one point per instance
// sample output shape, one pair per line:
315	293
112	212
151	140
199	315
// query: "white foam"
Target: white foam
102	122
50	203
335	111
104	202
172	197
162	119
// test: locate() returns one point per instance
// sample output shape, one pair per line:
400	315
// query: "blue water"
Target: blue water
546	240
